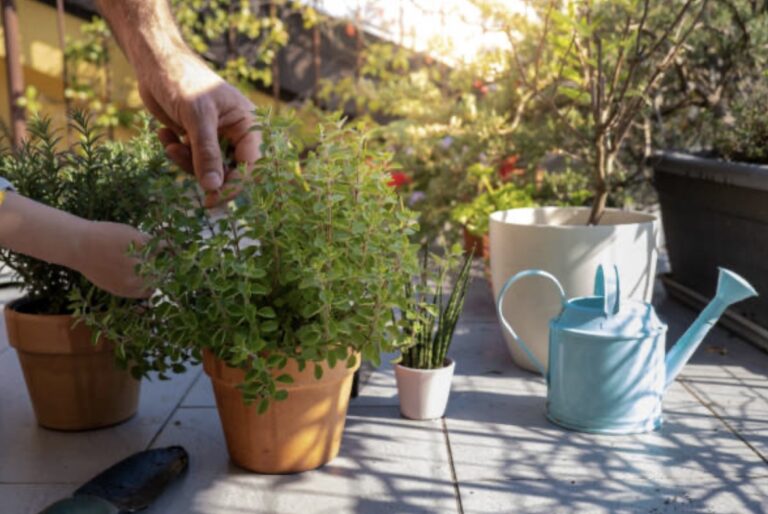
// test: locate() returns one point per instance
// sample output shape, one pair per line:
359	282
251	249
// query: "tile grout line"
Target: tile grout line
174	411
722	420
454	476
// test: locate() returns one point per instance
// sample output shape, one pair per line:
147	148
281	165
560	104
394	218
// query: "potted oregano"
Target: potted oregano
74	384
281	292
424	371
713	204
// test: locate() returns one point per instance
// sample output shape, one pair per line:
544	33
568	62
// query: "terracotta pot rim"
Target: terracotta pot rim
330	374
451	364
50	334
288	387
12	306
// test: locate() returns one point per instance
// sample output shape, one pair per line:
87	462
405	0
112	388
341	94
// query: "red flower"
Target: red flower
399	179
350	30
508	167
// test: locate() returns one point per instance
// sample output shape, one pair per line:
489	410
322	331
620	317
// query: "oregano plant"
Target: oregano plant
306	264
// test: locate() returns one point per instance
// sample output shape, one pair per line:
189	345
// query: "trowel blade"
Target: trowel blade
135	482
81	505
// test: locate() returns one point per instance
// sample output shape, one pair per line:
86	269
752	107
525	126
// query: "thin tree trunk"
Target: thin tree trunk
604	165
64	68
14	71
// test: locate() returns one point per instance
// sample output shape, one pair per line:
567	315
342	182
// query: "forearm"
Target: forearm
145	30
34	229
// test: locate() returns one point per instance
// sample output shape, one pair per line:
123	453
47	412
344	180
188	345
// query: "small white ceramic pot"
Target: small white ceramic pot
424	392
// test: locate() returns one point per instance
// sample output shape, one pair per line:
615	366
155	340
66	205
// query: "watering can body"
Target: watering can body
608	369
605	385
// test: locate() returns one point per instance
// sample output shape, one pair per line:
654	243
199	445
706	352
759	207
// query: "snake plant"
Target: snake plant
435	315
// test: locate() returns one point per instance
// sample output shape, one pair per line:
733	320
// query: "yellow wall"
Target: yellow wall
42	62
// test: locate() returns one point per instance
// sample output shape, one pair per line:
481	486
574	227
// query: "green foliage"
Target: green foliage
475	215
241	26
433	320
87	60
744	136
306	264
564	189
724	61
613	56
30	101
96	180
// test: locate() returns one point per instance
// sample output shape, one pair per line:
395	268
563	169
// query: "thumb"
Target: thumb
206	155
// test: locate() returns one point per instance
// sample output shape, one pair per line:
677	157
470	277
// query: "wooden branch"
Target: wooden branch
635	62
542	40
619	64
626	111
676	23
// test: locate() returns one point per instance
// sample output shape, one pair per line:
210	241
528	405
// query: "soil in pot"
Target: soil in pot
300	433
72	383
424	393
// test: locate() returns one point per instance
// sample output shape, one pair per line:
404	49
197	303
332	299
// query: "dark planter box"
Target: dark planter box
715	213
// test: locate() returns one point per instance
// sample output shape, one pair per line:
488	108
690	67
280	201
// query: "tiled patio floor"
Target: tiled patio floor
493	453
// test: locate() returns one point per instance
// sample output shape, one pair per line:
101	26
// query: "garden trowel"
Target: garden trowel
130	485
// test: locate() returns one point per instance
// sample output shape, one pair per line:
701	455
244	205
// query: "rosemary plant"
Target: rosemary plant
94	178
432	324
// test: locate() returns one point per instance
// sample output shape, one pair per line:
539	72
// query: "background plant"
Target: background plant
306	265
433	320
90	84
613	56
94	179
724	61
241	38
743	136
475	215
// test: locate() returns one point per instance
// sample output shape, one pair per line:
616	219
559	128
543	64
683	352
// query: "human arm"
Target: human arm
194	103
96	249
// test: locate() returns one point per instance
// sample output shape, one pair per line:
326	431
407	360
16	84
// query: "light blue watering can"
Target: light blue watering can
607	365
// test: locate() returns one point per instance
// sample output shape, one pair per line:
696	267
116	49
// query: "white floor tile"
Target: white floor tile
386	465
31	454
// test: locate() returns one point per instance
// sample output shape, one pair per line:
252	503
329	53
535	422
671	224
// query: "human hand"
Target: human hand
197	106
104	260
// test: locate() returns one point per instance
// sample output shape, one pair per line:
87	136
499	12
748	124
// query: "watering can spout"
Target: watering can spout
731	288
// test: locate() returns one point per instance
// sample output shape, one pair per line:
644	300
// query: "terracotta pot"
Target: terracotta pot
424	393
72	383
472	241
300	433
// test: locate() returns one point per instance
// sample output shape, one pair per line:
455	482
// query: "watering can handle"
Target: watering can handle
607	286
500	304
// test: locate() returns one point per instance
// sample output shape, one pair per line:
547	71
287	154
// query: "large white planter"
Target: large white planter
424	392
558	240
